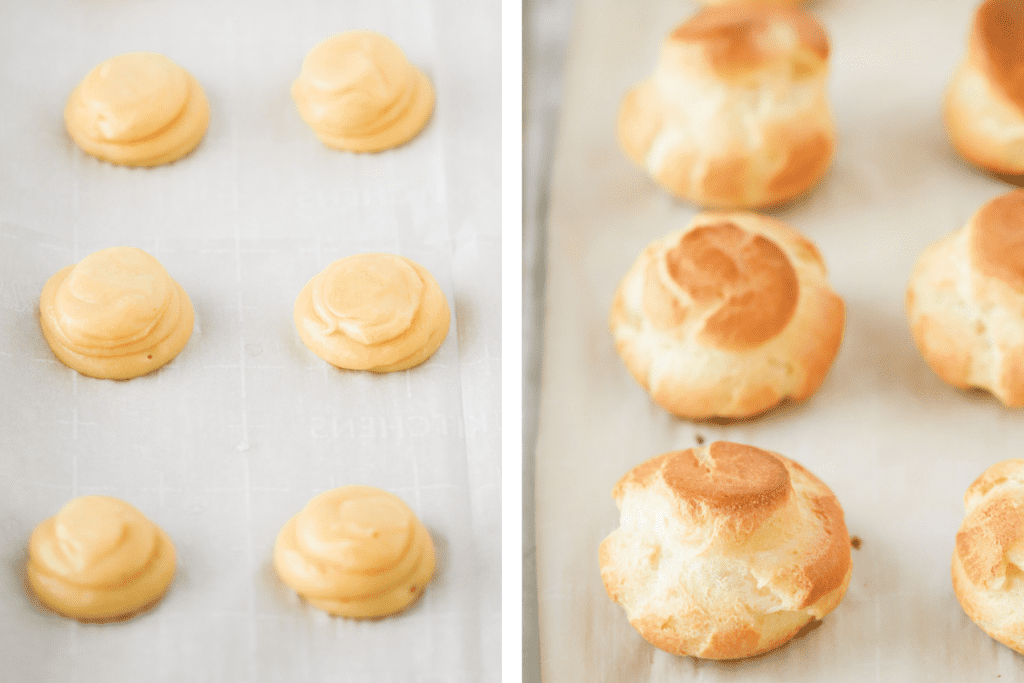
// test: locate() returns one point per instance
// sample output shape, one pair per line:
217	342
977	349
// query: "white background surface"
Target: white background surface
897	446
228	441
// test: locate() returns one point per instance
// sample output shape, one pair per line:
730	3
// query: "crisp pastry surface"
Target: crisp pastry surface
988	558
99	559
965	302
984	108
378	312
359	93
116	314
725	551
356	551
137	109
727	317
735	114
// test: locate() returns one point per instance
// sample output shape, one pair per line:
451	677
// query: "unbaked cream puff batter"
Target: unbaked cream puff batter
355	551
99	559
116	314
137	109
378	312
359	93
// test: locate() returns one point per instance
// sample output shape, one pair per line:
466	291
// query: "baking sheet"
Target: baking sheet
228	441
897	446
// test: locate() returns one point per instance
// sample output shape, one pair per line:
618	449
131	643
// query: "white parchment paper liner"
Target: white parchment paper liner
230	439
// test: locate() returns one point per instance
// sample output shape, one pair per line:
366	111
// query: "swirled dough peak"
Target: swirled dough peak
359	93
728	317
99	559
356	551
725	551
137	109
116	314
378	312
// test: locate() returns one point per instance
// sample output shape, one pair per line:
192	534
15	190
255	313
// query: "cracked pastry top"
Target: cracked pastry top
99	559
965	302
137	109
989	553
377	312
725	551
356	551
116	314
727	317
735	114
359	93
984	107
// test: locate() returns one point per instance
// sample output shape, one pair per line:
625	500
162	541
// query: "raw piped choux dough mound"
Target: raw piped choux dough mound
99	559
116	314
356	551
137	109
984	107
965	302
989	553
727	317
736	113
378	312
359	93
725	551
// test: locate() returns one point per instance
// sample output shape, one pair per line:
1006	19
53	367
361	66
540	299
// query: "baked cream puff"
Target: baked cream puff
736	113
984	107
727	317
725	551
965	302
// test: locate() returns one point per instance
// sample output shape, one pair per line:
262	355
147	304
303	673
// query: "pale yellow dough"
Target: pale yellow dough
137	109
377	312
359	93
355	551
116	314
99	559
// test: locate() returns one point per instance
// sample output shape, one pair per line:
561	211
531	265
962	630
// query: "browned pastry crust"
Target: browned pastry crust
727	317
725	551
984	107
965	302
988	557
735	114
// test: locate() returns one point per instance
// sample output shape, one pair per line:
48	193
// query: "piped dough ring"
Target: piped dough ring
725	551
116	314
99	559
377	312
359	93
736	113
137	109
355	551
984	107
965	302
989	553
727	317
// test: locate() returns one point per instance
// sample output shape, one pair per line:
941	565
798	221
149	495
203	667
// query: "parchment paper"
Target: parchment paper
897	446
233	437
